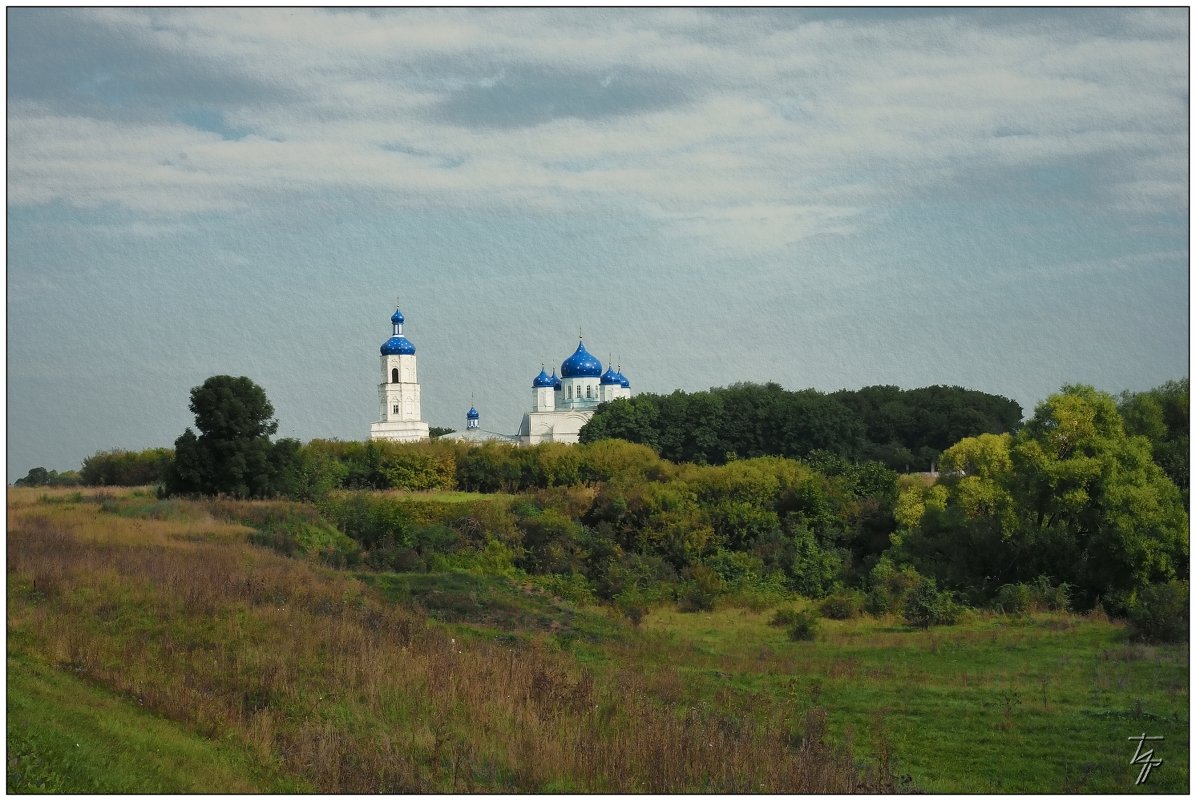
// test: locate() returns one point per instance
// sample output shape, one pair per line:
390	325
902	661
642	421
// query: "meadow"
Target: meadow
224	666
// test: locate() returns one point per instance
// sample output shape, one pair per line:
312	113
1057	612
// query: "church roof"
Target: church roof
398	345
581	364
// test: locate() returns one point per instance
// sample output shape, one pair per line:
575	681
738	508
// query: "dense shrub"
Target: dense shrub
805	626
1039	595
784	617
842	605
121	468
700	592
632	605
1160	613
573	588
889	586
1014	599
927	606
814	569
1053	597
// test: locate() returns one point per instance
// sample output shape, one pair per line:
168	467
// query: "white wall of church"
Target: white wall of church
558	426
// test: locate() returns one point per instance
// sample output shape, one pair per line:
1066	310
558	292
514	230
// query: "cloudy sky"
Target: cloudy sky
991	198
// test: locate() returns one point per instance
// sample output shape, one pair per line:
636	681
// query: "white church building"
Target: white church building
560	406
398	393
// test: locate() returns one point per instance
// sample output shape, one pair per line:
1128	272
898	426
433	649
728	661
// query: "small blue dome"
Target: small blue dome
611	377
543	380
581	364
398	345
623	382
397	317
472	414
556	382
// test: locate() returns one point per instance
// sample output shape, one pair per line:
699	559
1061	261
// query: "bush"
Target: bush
805	626
1160	613
1037	596
701	591
842	605
632	606
1014	599
890	586
927	606
574	587
120	468
783	618
1056	597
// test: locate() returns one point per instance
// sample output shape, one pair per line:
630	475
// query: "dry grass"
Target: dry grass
311	670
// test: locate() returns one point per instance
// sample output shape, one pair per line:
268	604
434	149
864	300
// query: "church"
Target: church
560	405
398	393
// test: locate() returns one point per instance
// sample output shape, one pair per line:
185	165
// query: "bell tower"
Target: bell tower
398	392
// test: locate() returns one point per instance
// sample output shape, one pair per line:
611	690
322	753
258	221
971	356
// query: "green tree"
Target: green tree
925	606
1096	509
36	477
121	468
1071	496
1161	415
232	455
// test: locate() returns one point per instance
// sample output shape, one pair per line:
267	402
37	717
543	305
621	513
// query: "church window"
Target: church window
394	375
587	393
396	407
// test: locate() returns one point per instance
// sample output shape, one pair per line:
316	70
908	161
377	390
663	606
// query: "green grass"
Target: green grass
68	736
1041	705
494	605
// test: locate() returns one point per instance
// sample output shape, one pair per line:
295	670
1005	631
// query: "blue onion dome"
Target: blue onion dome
556	382
543	379
398	345
623	382
472	414
397	318
581	364
610	377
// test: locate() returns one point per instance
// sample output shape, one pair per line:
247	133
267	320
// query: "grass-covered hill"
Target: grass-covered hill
247	646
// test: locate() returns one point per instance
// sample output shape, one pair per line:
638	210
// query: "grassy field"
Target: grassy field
309	669
219	665
66	735
1036	705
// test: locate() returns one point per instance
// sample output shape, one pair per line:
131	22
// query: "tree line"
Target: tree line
903	429
1078	506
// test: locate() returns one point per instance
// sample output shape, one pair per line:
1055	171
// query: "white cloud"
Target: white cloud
789	129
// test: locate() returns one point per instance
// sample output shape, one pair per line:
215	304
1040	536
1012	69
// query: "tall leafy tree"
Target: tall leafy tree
1093	500
1071	496
232	454
1161	415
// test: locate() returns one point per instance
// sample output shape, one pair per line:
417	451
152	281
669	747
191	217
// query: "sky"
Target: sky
990	198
